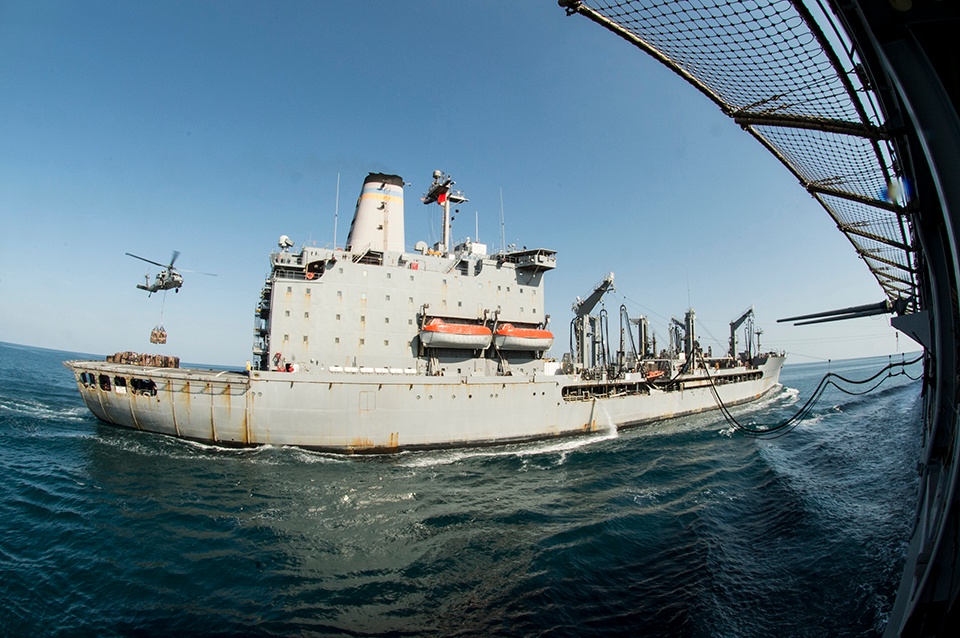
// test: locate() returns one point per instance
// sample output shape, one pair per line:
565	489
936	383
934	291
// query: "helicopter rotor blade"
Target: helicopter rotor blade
149	261
173	258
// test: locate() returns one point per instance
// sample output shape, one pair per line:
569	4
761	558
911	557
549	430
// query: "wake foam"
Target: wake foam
43	412
561	447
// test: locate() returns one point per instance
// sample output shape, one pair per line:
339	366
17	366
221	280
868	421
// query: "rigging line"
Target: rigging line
803	412
701	326
617	293
808	356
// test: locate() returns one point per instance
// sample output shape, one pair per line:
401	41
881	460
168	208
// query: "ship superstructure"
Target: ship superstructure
374	348
373	306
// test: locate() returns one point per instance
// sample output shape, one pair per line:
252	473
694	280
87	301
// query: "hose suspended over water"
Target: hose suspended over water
829	379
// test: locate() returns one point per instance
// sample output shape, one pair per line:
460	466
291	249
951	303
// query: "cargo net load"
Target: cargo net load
786	75
158	335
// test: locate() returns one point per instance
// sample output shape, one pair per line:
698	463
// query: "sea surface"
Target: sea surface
683	528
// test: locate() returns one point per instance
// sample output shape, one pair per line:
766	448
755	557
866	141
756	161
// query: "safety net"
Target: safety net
784	72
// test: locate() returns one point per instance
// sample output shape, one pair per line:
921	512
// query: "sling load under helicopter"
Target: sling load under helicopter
169	278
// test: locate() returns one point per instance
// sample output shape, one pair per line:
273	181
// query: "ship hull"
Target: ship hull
353	413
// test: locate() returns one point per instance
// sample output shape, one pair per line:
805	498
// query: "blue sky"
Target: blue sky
214	127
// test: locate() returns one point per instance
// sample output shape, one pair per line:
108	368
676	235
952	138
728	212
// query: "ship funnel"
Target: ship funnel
378	221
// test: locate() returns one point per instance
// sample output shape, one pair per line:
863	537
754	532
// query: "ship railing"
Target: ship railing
285	259
372	370
290	273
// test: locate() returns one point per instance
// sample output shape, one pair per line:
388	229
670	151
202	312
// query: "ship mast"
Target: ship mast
440	191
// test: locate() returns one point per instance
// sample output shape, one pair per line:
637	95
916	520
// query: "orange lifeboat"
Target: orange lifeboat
437	333
509	337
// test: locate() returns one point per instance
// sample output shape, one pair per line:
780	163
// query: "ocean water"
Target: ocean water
683	528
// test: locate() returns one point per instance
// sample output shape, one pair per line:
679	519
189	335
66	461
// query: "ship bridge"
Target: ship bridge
859	101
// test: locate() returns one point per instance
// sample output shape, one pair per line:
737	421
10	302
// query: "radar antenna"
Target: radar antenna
441	192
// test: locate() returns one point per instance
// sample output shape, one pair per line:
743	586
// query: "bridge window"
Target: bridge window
104	382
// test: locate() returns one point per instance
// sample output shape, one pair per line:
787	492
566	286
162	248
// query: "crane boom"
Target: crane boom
583	307
736	323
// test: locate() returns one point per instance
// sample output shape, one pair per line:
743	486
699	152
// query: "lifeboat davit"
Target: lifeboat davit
509	337
437	333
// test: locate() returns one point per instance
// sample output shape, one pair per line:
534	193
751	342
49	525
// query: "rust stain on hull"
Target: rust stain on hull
361	442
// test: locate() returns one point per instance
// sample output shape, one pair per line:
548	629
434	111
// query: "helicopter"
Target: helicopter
167	279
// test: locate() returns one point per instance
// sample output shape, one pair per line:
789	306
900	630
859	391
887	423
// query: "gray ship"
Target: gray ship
372	348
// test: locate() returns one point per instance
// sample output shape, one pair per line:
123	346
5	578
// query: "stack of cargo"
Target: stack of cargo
148	360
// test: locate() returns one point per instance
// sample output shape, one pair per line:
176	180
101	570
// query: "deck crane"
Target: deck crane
633	350
734	325
626	357
586	332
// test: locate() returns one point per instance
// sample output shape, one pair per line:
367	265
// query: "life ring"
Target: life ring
311	275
